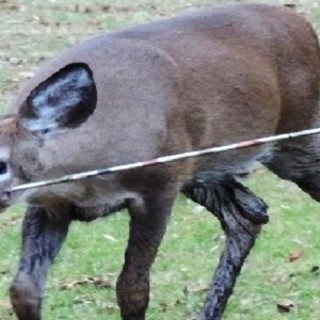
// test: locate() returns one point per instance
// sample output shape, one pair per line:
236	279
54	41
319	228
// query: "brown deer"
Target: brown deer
201	79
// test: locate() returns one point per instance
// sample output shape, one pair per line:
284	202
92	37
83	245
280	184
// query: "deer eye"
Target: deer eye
3	167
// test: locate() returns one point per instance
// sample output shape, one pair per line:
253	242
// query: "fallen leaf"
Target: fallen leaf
285	306
97	282
293	256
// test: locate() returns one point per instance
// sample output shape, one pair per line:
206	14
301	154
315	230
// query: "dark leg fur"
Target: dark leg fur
241	214
239	211
299	163
147	228
42	237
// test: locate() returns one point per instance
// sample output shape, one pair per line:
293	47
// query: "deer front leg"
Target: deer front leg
241	214
42	237
147	228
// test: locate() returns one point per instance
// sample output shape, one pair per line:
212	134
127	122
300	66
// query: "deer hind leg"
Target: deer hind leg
147	228
299	162
42	237
241	214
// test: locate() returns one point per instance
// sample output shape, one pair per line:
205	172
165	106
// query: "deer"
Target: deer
203	78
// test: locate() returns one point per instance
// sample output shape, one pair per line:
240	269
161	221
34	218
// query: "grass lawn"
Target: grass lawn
284	266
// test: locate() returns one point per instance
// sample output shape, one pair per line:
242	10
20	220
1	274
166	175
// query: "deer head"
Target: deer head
60	103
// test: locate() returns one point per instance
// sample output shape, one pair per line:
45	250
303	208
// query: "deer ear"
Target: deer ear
65	100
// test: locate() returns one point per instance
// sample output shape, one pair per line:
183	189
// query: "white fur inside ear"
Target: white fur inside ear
6	177
4	156
39	124
84	79
55	99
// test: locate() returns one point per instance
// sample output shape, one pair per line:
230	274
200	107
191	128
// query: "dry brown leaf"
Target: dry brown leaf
293	256
97	282
285	306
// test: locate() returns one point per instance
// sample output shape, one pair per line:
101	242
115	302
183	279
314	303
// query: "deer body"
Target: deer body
202	79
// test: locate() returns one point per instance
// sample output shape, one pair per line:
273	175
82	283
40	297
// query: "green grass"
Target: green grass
186	261
31	31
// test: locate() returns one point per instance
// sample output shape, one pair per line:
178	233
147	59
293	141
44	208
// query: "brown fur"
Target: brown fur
201	79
